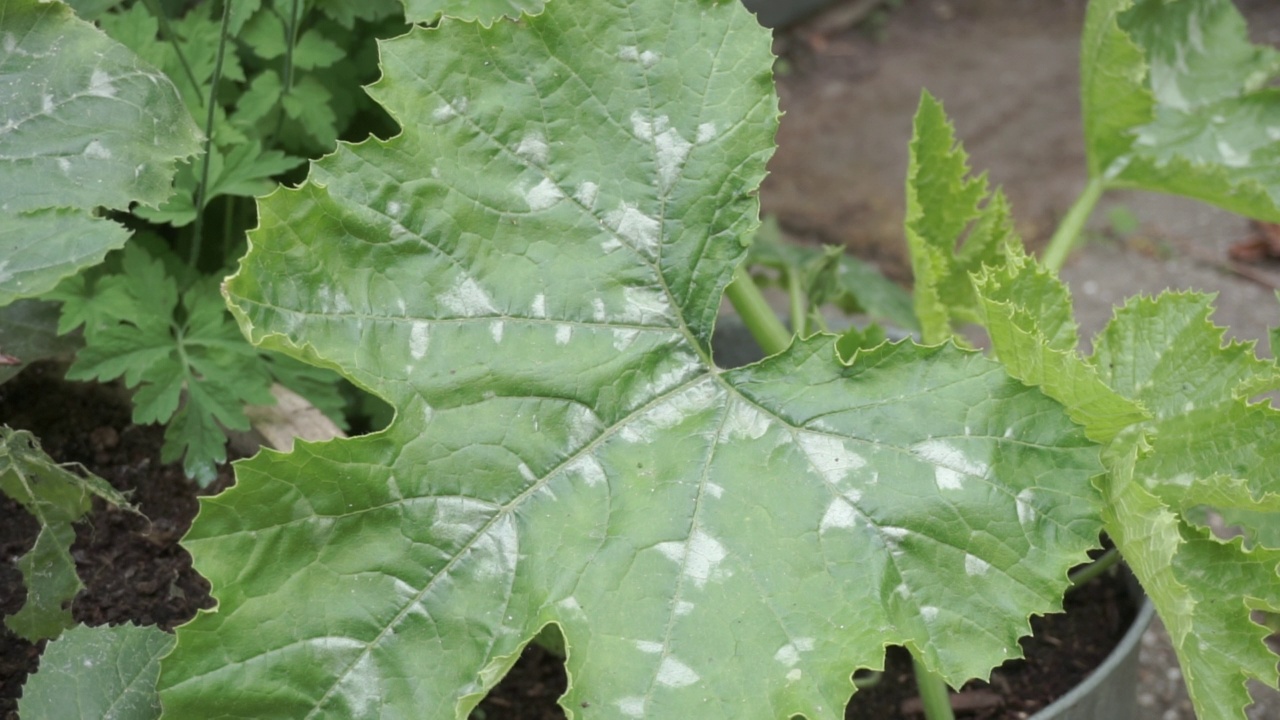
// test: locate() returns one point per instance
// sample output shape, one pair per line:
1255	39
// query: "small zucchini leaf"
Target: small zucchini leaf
952	228
829	275
56	165
98	672
530	273
57	498
1027	314
1176	99
1167	355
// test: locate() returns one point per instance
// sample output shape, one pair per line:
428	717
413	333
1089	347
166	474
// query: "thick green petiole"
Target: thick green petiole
933	693
759	318
1068	232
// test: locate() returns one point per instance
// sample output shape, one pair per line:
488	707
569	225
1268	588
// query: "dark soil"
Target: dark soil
131	564
134	570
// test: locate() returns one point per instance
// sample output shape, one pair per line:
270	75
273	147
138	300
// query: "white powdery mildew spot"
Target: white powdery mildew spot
829	456
46	104
649	646
622	339
683	607
100	85
1026	509
467	299
570	604
496	328
631	706
588	468
97	151
701	556
948	479
598	312
64	164
952	464
670	412
794	674
645	306
675	674
636	228
714	490
564	333
527	473
631	53
840	514
450	110
543	195
974	565
533	147
419	340
745	422
1232	157
672	149
394	208
706	132
539	307
929	613
586	194
789	654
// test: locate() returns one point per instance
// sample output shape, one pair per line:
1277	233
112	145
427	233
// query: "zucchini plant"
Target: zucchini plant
530	273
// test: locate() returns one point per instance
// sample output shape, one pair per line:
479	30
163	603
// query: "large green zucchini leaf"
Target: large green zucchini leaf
530	274
1173	403
1176	99
83	124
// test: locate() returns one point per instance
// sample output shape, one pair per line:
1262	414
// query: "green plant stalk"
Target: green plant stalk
202	188
1068	232
1095	568
799	303
933	692
286	85
764	325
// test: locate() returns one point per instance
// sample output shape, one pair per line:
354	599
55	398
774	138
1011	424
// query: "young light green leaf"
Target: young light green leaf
536	298
1027	314
942	203
1166	354
1176	99
98	672
57	498
60	70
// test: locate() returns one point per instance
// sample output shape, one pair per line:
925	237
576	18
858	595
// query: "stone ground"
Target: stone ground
1006	71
